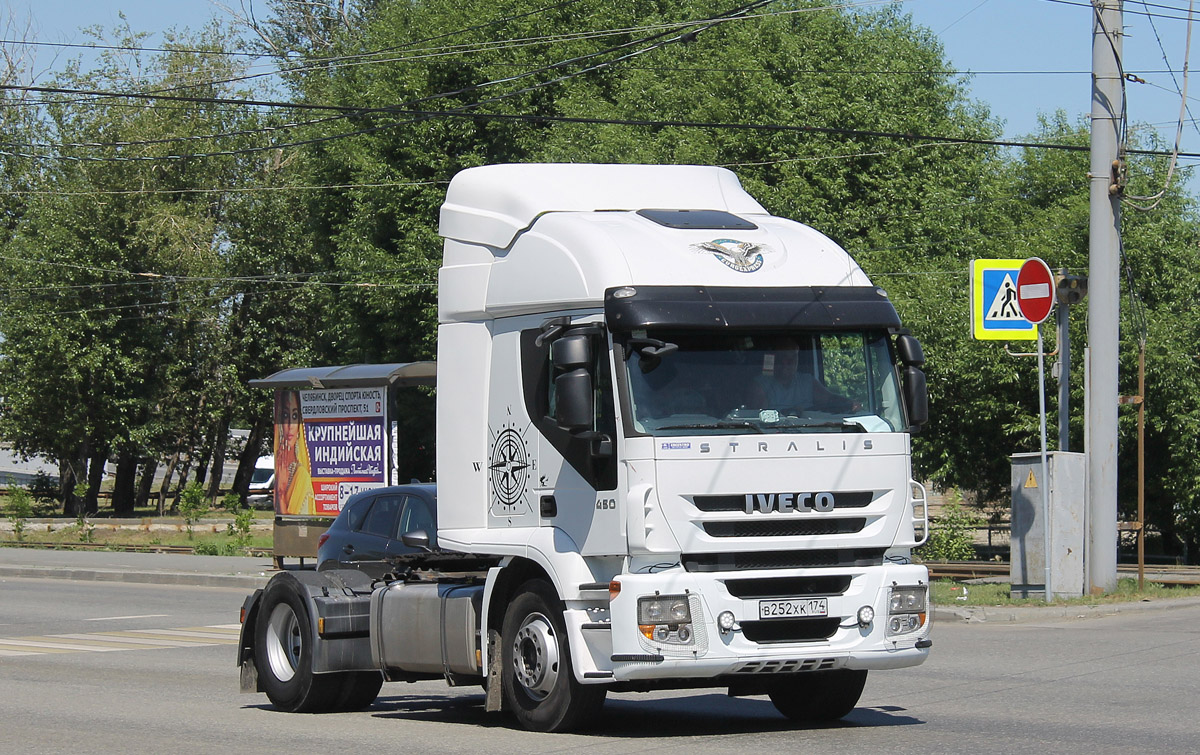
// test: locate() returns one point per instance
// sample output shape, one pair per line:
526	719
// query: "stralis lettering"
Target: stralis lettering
785	502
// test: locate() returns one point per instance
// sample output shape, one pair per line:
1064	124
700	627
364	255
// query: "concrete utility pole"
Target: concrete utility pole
1108	111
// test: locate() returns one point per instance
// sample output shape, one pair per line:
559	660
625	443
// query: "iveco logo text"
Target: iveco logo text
785	502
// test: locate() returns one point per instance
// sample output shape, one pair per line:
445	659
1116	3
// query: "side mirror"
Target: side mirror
909	350
573	409
916	397
418	539
571	352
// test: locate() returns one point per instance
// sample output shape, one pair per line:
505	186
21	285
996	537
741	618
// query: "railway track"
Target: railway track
1167	575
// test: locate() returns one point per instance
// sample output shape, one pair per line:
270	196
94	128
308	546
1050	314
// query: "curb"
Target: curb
1022	614
244	581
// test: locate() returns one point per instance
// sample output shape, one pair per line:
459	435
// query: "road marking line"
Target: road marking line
53	647
224	632
134	639
143	616
151	634
189	633
120	643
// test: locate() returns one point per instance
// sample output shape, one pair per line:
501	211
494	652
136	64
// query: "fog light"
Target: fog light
866	615
725	621
685	633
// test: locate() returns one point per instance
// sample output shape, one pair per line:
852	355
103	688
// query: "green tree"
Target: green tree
111	325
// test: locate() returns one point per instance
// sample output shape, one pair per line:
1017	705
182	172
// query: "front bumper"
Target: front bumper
838	641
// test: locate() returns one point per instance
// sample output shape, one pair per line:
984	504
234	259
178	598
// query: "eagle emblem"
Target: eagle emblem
742	256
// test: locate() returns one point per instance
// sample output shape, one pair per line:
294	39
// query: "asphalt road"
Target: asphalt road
151	668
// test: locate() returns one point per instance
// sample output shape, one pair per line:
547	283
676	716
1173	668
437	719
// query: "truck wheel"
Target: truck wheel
819	695
359	690
539	686
283	647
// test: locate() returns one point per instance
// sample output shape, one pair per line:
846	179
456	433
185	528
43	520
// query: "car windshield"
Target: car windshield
261	475
705	383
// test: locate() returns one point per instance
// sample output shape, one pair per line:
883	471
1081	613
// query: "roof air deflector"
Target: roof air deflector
715	220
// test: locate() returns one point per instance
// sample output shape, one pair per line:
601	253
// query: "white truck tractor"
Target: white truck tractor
673	452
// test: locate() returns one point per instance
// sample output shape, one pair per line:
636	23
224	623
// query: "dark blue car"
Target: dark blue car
370	526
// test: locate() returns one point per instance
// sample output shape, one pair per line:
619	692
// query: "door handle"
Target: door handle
347	548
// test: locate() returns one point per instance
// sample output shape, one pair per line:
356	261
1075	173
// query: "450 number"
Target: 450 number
606	504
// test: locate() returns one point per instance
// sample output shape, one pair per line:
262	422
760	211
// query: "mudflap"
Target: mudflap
494	702
248	676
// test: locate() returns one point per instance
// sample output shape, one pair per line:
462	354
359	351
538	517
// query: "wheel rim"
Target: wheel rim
284	642
535	656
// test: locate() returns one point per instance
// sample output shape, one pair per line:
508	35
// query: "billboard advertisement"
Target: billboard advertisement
329	444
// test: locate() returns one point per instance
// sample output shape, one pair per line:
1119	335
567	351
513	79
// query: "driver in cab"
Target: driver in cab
787	387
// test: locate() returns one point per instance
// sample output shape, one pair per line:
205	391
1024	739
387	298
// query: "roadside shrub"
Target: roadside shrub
19	508
44	489
231	502
952	534
192	505
239	530
206	548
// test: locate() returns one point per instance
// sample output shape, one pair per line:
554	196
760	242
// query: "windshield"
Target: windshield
261	475
697	382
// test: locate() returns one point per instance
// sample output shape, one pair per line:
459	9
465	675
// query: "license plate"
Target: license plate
793	609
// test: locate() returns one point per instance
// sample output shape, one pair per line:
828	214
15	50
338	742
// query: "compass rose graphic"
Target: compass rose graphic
509	470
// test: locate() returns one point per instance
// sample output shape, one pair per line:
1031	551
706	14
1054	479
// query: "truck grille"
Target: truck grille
785	528
787	587
809	559
790	630
852	499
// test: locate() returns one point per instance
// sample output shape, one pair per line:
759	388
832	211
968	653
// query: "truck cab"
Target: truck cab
687	400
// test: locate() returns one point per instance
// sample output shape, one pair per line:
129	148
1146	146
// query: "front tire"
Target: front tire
819	695
539	684
283	647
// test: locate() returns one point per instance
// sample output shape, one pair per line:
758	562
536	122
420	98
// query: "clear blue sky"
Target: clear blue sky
1028	56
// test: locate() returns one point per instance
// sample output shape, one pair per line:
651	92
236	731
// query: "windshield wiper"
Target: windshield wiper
721	425
845	424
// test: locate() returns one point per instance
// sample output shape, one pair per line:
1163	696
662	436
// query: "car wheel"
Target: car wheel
539	685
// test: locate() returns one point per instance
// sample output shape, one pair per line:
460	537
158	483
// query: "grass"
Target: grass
218	542
947	592
210	531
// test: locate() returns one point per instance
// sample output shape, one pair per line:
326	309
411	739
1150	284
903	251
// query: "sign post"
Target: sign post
1035	297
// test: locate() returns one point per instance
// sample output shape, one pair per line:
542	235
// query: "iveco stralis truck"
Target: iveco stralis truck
673	452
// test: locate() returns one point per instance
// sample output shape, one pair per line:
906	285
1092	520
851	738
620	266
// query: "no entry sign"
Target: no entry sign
1035	290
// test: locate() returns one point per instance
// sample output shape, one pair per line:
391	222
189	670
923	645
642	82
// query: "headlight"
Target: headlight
906	609
907	600
666	619
664	609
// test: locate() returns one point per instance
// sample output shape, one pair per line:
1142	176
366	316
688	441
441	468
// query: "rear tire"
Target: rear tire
539	685
359	690
818	695
283	646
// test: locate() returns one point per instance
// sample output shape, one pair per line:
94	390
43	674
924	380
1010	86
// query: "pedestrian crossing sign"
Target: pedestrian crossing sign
995	314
